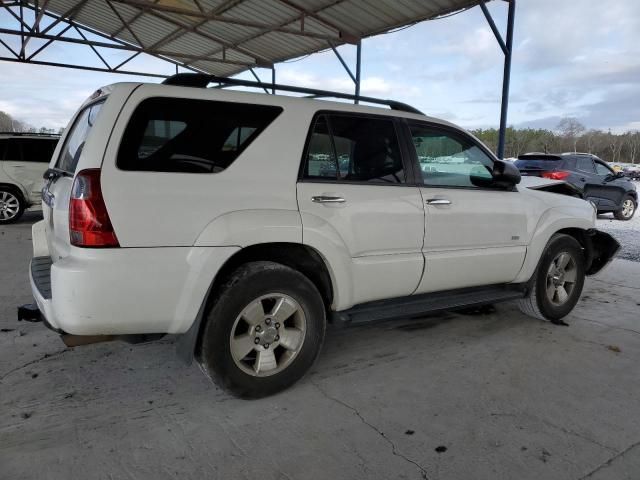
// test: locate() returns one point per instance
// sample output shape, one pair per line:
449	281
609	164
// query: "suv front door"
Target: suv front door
606	188
474	234
25	161
355	196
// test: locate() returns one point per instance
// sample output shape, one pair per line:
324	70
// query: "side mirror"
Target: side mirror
505	174
613	176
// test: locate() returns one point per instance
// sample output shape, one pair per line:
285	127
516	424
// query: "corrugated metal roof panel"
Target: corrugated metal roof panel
253	33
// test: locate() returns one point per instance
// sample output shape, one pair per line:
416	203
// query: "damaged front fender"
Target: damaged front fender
601	248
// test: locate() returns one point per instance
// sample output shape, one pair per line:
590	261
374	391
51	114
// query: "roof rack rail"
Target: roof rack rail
31	134
201	80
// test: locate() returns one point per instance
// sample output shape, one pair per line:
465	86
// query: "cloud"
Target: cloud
571	58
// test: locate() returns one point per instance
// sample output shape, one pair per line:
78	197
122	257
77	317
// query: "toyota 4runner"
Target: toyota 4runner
245	222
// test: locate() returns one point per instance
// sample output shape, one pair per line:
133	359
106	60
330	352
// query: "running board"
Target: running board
416	305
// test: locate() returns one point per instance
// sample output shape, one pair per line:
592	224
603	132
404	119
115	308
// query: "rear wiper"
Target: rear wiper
55	173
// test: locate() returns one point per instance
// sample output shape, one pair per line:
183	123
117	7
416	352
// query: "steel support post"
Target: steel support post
506	78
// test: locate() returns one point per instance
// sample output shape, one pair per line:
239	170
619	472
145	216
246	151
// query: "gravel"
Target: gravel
627	233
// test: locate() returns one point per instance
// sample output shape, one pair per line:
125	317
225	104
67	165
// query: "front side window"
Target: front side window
74	143
354	149
448	159
603	170
190	136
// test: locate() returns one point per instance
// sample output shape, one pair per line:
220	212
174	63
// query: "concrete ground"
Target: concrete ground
493	396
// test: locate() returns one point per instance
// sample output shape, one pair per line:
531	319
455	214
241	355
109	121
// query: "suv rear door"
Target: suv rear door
355	188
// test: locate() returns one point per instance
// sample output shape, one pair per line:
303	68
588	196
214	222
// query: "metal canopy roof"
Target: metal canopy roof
225	37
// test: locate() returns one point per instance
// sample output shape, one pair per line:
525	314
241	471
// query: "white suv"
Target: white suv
246	222
24	157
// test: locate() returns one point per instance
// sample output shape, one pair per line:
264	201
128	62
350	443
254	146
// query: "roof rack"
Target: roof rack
30	134
539	156
201	80
578	153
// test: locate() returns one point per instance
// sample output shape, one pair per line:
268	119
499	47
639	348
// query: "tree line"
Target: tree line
569	136
10	124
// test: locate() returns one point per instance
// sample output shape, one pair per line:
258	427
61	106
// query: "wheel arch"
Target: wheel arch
302	258
17	189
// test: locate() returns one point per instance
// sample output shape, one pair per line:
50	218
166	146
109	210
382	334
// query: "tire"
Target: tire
12	205
628	208
273	313
545	300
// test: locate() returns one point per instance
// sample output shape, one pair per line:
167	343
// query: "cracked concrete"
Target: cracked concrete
507	396
394	449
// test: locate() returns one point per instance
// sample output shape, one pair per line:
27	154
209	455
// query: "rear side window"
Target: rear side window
190	136
38	150
10	150
585	164
354	149
74	143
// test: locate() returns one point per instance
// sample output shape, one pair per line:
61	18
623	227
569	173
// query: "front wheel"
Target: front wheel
11	206
264	330
558	280
627	209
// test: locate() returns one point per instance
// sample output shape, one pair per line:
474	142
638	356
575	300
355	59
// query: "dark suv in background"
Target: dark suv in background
608	190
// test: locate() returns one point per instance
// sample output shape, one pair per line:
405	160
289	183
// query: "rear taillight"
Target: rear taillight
89	224
558	175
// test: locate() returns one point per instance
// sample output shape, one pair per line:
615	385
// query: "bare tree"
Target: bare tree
633	145
10	124
571	129
616	142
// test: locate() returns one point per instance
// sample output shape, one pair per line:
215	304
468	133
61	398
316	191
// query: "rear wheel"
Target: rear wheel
264	330
558	280
11	205
627	209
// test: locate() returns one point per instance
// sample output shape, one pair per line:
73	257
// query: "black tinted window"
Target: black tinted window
74	143
38	150
10	149
354	149
190	136
585	164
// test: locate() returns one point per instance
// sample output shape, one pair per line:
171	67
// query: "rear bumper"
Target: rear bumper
124	291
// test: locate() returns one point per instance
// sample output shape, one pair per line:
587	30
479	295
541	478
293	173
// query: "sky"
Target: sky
572	58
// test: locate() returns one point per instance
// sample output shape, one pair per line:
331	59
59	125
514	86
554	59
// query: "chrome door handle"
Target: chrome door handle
325	199
438	201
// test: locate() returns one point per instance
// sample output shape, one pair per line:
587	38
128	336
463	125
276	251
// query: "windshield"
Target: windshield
537	164
74	143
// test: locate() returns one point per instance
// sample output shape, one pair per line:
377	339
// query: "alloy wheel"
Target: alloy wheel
268	334
561	278
628	208
9	206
